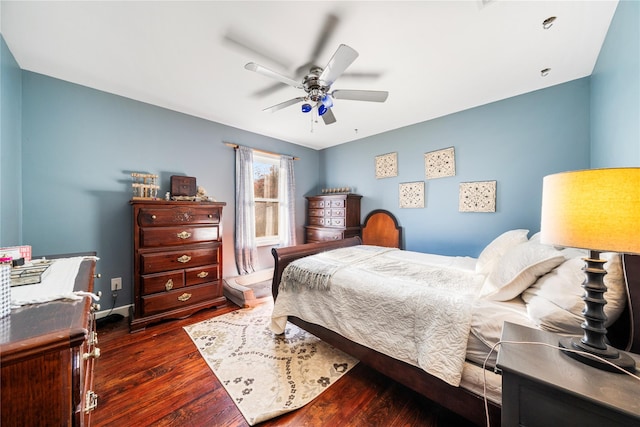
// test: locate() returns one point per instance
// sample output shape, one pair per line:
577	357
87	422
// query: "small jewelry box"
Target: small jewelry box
183	185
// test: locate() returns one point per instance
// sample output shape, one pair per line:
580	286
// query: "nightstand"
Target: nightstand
541	386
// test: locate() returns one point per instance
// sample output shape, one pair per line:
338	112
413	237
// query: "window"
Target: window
266	171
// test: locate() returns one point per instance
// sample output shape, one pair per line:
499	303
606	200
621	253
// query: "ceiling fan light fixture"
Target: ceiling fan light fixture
306	108
322	109
327	101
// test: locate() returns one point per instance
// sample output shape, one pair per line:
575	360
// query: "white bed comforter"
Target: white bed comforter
411	306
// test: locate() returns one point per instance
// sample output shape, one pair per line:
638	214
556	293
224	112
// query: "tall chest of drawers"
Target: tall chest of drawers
332	217
177	259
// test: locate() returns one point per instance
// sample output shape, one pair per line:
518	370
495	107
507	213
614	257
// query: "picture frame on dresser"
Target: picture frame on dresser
177	260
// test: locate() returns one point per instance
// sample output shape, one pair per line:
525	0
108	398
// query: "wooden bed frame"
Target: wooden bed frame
624	334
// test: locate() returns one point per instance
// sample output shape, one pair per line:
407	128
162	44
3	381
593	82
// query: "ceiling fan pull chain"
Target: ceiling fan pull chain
311	116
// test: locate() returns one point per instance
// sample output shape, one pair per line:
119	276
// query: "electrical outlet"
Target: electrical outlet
116	283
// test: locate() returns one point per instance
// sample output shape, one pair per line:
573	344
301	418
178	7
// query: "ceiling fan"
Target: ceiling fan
317	85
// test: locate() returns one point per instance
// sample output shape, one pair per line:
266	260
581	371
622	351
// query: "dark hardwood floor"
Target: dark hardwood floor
158	378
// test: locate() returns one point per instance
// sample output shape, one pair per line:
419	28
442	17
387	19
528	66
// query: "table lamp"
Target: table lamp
598	210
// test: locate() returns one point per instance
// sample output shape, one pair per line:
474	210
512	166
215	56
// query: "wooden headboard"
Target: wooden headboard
381	229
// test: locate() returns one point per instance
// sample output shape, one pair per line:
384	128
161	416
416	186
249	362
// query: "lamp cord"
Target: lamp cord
493	348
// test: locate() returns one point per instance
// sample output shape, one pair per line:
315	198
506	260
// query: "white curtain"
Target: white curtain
286	195
246	248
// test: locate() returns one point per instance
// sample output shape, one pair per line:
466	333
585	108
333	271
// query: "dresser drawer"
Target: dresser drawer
176	215
162	282
316	204
334	222
170	236
196	275
316	213
154	262
336	213
179	298
314	220
318	235
336	203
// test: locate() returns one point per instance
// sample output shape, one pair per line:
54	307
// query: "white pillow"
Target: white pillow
555	301
518	269
492	253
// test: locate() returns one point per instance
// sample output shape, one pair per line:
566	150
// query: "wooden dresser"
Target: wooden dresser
332	217
47	354
177	259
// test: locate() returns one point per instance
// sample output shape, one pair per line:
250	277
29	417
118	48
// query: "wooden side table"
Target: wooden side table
541	386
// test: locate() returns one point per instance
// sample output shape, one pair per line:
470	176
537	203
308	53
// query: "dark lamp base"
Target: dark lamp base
618	358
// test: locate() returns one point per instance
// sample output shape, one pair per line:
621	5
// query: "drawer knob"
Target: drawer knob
169	285
153	217
95	354
183	235
203	274
184	259
184	297
210	216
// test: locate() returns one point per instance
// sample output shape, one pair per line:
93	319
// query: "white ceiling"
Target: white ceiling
434	57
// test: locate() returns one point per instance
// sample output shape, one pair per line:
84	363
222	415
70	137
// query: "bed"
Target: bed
333	314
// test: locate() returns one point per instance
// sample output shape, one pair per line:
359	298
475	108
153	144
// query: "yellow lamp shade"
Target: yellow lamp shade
596	209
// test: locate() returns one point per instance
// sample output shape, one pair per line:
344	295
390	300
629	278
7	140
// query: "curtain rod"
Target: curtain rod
235	147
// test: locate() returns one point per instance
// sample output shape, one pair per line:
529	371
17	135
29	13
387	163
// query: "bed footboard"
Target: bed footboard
283	256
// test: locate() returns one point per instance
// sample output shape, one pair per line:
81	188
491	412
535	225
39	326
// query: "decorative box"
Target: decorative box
31	273
183	186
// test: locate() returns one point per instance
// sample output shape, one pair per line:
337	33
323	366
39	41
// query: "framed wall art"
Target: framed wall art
386	165
411	194
440	163
477	196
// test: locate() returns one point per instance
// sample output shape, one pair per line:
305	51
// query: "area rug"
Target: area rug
266	374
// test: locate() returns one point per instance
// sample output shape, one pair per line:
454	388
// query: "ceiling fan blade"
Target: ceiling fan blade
268	90
255	49
339	62
361	95
328	117
284	104
362	75
330	24
252	66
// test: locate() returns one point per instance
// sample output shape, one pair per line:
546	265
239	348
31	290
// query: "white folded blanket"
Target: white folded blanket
315	271
57	284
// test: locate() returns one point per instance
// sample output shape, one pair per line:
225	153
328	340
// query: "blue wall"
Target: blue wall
615	92
80	146
516	142
10	148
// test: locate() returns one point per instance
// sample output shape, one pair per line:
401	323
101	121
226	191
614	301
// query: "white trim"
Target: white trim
267	240
123	310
